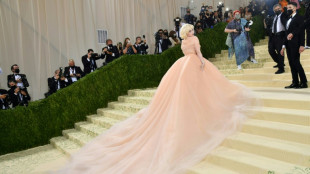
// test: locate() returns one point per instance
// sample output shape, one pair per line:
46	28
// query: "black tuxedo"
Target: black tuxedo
276	39
4	103
23	77
297	28
18	99
307	24
141	48
164	44
76	70
55	85
89	64
109	57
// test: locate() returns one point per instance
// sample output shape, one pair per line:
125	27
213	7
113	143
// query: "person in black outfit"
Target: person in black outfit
21	79
189	18
294	44
4	99
110	52
89	61
18	96
307	22
276	31
163	42
141	46
57	82
73	73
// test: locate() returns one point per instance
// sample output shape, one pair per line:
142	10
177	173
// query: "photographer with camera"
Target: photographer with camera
89	61
209	20
238	39
21	79
73	73
141	46
110	52
198	27
177	26
120	48
162	41
57	82
189	18
18	96
128	47
173	39
4	99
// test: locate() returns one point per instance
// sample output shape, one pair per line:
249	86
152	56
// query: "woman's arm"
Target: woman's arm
230	30
198	52
134	49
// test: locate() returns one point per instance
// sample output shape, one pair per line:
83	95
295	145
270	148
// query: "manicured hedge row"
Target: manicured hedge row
24	128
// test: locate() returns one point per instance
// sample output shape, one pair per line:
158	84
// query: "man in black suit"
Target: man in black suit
110	52
73	73
58	81
18	96
163	43
89	61
21	79
141	46
4	99
276	31
294	44
307	22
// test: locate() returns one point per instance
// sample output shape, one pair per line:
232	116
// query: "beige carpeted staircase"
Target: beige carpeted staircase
275	141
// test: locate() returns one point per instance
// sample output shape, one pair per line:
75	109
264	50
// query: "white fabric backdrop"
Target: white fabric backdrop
42	35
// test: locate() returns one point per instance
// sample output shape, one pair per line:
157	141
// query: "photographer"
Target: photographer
21	79
177	26
141	46
198	27
162	41
4	99
238	33
128	47
18	96
89	61
72	72
209	20
120	48
189	18
58	81
110	52
173	39
216	18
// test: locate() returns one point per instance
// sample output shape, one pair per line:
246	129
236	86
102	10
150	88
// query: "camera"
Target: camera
93	55
177	21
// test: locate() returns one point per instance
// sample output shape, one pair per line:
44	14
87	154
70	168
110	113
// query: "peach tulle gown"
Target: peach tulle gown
191	113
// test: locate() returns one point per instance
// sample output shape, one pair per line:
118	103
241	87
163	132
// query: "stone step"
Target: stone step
263	76
245	163
281	150
135	100
142	92
65	145
101	121
291	116
271	70
263	83
209	168
78	137
283	131
285	100
127	107
90	128
305	61
114	114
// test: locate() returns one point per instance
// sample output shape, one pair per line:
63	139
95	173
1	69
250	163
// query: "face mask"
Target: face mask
17	71
289	12
237	17
278	12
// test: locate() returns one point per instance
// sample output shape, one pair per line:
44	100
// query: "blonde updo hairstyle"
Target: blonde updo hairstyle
185	29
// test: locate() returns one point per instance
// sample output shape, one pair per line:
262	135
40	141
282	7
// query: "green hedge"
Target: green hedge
24	128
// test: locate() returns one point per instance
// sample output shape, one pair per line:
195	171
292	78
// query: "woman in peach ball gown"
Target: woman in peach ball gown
193	110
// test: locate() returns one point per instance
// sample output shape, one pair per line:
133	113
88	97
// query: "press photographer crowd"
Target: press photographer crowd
284	26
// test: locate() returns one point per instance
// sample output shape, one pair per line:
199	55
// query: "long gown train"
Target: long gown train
191	113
